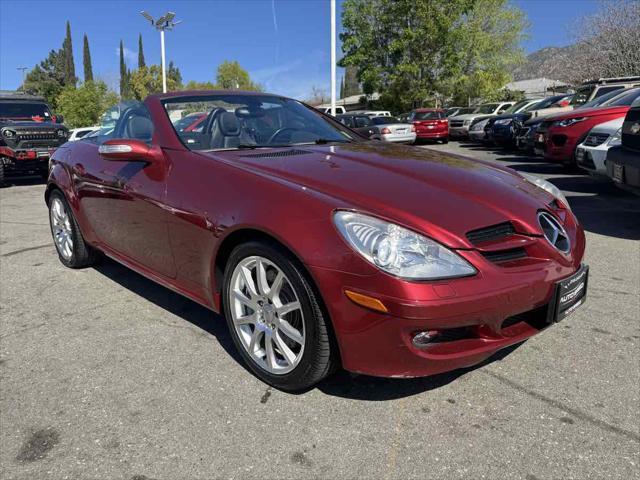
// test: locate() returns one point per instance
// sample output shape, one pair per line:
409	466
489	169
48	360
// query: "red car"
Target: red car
559	135
430	124
321	248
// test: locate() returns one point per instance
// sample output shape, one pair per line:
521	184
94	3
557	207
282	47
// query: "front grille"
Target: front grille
488	234
595	139
456	123
37	136
505	255
280	153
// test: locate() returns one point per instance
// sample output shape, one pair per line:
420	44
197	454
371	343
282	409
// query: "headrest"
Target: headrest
140	127
228	124
246	112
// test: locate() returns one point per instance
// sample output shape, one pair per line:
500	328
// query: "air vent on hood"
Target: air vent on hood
279	153
491	233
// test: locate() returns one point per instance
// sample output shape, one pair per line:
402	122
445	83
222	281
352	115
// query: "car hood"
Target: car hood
27	124
441	195
587	112
612	126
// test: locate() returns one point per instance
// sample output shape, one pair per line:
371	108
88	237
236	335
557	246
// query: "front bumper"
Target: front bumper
593	159
477	315
25	162
623	166
477	135
502	135
459	132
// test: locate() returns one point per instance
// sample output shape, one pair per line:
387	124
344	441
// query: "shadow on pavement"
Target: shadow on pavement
341	384
172	302
377	389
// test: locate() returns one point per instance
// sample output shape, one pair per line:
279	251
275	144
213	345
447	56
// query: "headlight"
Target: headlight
616	138
62	133
546	186
503	121
9	133
478	125
569	121
399	251
467	122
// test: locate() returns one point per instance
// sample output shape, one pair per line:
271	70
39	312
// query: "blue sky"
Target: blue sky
284	44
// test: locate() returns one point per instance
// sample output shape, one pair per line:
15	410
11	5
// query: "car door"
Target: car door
123	201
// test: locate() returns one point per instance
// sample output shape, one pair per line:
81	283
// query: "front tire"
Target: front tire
275	318
72	250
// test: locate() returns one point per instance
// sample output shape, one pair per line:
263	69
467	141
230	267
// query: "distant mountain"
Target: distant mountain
549	62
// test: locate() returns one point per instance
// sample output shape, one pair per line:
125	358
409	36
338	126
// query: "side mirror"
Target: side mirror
59	119
129	150
500	111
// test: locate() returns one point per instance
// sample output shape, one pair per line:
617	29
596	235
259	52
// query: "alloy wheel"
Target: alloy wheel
267	315
61	228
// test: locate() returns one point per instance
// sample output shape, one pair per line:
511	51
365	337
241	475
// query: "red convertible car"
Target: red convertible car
322	249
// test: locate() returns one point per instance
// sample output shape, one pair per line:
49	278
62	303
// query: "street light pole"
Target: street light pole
163	23
333	57
164	72
23	69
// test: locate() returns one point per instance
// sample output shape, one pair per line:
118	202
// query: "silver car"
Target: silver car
390	129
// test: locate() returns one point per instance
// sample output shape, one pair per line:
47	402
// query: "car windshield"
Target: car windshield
547	102
603	99
384	120
625	100
488	108
515	108
425	115
236	121
24	110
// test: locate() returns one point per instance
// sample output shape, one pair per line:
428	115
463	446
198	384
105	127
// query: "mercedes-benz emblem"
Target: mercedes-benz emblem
554	232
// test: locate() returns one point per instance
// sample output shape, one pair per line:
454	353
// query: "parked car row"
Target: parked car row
587	133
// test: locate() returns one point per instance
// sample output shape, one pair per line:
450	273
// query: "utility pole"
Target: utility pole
333	57
163	23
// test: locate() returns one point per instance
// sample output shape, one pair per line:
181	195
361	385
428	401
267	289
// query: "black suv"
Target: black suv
29	134
623	162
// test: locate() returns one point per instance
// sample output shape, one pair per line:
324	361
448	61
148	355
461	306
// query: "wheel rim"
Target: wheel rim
61	228
267	315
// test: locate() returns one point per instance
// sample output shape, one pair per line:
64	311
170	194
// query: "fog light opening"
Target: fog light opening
423	339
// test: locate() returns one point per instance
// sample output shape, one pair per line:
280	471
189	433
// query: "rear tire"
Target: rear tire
445	141
1	174
72	250
275	319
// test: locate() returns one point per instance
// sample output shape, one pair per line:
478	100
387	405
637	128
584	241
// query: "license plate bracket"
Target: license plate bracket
569	294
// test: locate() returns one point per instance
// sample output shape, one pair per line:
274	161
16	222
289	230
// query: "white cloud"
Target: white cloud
129	55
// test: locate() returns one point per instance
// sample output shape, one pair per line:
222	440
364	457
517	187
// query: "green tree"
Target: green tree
231	76
483	49
351	84
140	52
193	85
173	73
125	75
69	67
47	78
148	80
84	105
411	50
86	61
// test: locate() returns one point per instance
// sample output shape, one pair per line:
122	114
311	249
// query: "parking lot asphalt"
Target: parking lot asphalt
104	374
